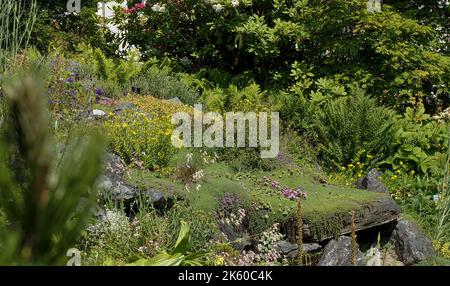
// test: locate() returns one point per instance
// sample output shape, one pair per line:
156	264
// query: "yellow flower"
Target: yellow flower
394	177
219	261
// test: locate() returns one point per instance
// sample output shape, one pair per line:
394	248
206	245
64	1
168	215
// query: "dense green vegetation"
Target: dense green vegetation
355	90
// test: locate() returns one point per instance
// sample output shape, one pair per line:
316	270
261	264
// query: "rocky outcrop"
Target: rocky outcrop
290	250
411	245
372	183
238	236
113	188
339	253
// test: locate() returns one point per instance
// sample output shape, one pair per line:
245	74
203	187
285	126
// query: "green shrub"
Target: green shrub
57	28
395	57
246	159
419	142
141	138
162	83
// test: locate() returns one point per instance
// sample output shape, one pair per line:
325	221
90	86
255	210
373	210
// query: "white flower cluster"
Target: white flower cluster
269	238
160	8
267	253
114	223
219	7
198	176
234	219
117	221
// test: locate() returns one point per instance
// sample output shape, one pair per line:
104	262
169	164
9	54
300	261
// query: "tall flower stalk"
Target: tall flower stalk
299	233
354	247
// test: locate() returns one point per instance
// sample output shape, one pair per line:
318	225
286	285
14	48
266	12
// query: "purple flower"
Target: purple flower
72	92
99	92
70	80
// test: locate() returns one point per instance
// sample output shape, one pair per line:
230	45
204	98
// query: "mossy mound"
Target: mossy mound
326	211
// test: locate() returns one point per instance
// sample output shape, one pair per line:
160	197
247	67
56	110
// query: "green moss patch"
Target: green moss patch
325	210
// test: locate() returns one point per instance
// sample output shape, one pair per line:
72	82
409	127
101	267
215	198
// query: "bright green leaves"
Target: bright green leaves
179	256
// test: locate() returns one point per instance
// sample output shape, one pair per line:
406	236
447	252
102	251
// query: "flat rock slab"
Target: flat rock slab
382	211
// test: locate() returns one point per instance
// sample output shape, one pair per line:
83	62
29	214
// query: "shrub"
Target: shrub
162	83
246	159
142	137
419	142
57	28
395	57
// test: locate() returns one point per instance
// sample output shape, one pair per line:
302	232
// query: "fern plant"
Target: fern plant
347	125
45	202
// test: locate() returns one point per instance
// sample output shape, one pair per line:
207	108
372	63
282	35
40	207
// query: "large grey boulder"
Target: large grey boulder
411	245
372	183
339	253
290	250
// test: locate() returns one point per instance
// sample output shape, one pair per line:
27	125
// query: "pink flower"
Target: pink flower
129	10
294	194
139	6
